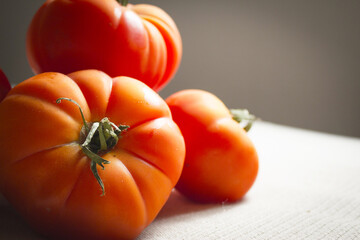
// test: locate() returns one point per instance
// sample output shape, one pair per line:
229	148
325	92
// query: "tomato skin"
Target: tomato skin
221	162
45	175
139	41
4	85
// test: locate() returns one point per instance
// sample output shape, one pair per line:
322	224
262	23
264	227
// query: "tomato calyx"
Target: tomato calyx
243	117
123	2
96	139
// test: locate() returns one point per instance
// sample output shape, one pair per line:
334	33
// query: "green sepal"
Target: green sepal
243	116
96	160
99	139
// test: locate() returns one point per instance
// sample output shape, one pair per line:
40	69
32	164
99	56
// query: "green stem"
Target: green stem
243	116
99	139
102	139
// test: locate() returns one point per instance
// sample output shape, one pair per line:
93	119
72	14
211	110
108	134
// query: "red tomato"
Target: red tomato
4	85
221	162
46	174
139	41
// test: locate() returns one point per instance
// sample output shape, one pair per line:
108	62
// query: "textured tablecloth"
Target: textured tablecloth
308	187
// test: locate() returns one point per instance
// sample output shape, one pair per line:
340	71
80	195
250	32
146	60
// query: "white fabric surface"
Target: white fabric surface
308	187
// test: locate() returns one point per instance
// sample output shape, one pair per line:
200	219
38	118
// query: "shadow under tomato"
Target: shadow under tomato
12	226
178	204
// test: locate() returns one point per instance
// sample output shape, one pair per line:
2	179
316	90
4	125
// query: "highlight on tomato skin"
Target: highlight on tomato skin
4	85
140	41
47	154
221	162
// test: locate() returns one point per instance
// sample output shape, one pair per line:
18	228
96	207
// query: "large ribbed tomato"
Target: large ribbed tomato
47	175
4	85
139	41
221	162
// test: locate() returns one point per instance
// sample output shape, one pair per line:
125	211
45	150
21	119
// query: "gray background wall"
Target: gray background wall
289	62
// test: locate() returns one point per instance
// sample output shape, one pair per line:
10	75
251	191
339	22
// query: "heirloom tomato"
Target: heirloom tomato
51	158
140	41
221	162
4	85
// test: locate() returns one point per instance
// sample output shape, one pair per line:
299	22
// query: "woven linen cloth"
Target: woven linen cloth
308	187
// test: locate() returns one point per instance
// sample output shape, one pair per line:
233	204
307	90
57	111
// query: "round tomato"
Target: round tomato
4	85
221	162
139	41
48	174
